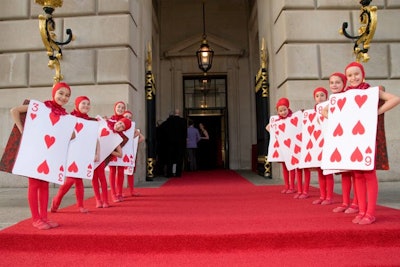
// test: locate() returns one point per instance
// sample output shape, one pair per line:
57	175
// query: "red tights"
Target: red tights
367	191
79	191
131	183
326	184
288	177
347	183
307	176
116	179
38	198
99	178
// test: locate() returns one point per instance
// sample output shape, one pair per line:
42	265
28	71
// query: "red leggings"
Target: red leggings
288	177
79	191
347	183
116	179
131	182
38	198
326	184
99	178
367	191
307	176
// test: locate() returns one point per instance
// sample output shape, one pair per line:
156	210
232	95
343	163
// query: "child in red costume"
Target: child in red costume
116	175
130	177
337	84
99	175
326	182
82	107
367	181
38	190
283	110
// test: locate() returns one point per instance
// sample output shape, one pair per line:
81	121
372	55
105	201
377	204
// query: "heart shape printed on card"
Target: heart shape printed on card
54	118
338	131
308	157
43	168
335	156
104	132
49	140
73	167
312	116
78	127
341	103
33	116
360	100
356	155
358	129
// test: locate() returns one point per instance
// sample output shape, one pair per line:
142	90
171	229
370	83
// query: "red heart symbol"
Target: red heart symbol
312	116
321	144
338	131
332	109
317	134
356	155
308	157
310	129
33	116
282	127
360	100
43	168
297	149
368	150
73	167
54	118
276	143
126	158
49	140
113	159
336	156
341	103
358	129
320	156
276	154
299	137
321	118
294	161
104	132
287	142
61	168
309	144
90	166
78	126
294	121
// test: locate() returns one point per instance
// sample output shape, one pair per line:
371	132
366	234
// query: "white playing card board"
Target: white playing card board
127	150
108	140
44	144
274	152
351	134
80	163
130	169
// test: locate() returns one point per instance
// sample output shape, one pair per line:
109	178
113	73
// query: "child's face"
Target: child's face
336	84
120	109
119	126
320	97
128	116
354	76
84	106
283	111
62	96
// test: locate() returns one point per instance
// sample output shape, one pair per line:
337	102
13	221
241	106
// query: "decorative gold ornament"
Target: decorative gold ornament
262	74
150	167
47	27
368	20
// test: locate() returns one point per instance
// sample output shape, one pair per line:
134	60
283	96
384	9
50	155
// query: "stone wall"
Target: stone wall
305	47
105	62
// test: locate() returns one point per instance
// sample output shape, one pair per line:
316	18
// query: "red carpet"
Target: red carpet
206	219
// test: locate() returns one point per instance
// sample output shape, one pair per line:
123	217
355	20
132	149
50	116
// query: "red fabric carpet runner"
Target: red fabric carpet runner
214	218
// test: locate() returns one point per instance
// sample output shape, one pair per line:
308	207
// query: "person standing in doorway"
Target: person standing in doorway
175	143
193	137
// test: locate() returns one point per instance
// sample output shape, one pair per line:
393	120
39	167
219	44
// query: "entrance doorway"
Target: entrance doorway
205	103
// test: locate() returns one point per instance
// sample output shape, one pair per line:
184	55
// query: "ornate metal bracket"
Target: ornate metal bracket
47	27
368	19
262	74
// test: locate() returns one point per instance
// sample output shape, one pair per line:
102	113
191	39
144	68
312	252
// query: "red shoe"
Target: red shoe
41	225
357	219
135	194
99	204
317	201
83	210
303	196
51	223
290	191
352	209
106	205
327	202
115	199
284	191
297	195
367	219
340	208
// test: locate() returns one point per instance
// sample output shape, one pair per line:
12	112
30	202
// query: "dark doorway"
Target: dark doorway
210	152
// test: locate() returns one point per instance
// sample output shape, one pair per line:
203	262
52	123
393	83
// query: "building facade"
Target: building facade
107	61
